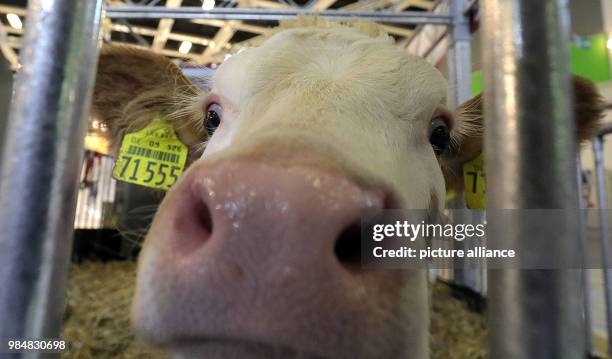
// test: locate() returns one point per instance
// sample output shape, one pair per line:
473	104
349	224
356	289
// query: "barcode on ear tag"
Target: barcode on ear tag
475	184
152	157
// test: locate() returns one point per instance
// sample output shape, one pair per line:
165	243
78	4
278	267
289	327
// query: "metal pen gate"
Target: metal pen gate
525	58
97	189
606	251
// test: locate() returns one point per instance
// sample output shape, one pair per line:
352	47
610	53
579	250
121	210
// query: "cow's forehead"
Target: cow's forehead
332	53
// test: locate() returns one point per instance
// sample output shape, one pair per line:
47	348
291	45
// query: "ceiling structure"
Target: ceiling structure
197	43
202	42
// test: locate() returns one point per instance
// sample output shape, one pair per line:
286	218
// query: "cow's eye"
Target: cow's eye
439	135
212	119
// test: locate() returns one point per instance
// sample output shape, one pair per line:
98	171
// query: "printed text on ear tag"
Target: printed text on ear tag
474	181
152	157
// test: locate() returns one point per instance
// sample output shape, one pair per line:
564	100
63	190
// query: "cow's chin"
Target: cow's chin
234	349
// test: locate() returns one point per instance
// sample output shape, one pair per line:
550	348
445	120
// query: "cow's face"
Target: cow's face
334	97
255	251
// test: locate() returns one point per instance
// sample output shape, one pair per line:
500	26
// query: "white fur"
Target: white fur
372	104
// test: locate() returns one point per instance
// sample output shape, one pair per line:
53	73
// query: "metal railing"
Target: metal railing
41	161
530	149
161	12
526	72
95	206
606	252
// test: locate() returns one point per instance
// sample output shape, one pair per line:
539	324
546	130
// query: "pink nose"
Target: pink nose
294	216
257	252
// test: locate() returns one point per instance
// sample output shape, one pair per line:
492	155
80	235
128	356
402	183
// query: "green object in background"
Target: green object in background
588	58
591	61
477	83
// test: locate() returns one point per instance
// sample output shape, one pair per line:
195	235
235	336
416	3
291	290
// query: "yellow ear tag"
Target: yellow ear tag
152	157
475	185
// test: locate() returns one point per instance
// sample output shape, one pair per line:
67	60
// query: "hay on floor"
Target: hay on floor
96	323
456	332
97	317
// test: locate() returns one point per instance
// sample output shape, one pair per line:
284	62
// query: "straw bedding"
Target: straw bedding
97	317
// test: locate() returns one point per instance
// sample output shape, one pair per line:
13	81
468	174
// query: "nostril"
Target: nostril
348	246
192	219
195	216
391	202
205	217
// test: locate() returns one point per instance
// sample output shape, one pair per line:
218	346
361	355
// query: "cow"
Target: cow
254	252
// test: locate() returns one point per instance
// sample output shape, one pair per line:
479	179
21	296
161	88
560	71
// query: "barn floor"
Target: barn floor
97	317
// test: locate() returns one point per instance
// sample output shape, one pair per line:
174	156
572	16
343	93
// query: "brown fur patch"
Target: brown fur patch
465	147
589	107
134	85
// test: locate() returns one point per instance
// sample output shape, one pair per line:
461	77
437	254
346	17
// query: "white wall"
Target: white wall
606	10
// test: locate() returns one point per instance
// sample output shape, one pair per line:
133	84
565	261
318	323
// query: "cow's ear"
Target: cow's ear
134	85
467	135
589	106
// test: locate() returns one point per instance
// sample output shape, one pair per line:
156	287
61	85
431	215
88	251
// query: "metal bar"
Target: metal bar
194	10
459	54
134	34
584	247
144	12
530	149
420	27
603	232
40	164
459	74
